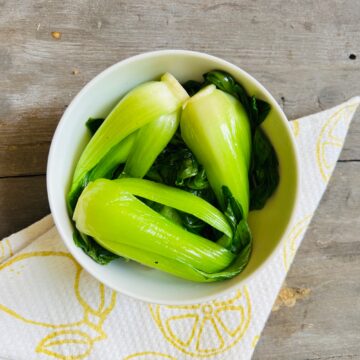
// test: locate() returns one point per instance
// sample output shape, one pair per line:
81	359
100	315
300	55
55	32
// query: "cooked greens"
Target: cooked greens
182	172
223	148
92	248
264	175
93	124
150	141
110	212
142	105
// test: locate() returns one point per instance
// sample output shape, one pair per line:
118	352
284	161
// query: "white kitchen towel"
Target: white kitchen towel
50	308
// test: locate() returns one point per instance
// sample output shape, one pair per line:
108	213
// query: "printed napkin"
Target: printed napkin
50	308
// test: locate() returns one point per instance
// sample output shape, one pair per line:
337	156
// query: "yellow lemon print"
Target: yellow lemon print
292	240
332	136
55	279
255	341
205	329
66	345
149	355
5	250
18	271
295	127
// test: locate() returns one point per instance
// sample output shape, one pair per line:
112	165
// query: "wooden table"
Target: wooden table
307	53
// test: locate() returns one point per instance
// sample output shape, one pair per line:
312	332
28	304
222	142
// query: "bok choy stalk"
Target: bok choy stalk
264	171
105	168
256	109
110	212
142	105
150	141
215	127
117	155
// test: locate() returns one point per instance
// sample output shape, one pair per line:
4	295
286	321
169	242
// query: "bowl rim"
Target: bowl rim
99	77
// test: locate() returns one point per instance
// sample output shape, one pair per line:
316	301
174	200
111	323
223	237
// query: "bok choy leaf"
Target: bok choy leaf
110	212
93	124
145	103
150	141
185	172
264	172
210	128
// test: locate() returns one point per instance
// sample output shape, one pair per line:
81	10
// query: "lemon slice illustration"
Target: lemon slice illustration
66	344
205	329
149	355
96	299
62	297
295	235
5	249
41	275
295	125
331	137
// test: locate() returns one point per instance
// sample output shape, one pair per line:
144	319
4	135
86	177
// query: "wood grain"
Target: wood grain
300	50
23	200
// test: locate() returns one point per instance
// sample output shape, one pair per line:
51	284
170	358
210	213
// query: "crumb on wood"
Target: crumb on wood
75	71
56	35
282	98
288	297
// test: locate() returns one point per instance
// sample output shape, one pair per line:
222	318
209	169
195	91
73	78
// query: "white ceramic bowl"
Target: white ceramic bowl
96	99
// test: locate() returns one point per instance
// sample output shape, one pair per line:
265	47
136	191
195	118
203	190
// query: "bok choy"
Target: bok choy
142	105
168	180
216	129
110	212
149	143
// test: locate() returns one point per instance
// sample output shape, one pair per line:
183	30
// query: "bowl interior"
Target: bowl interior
96	100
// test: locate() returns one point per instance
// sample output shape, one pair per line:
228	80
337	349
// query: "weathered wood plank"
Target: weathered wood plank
23	200
327	324
299	51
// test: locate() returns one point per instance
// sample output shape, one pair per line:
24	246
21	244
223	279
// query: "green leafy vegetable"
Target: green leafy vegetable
256	109
264	173
112	216
93	125
177	199
219	147
105	168
235	215
150	141
92	248
145	103
188	216
192	87
110	213
176	166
